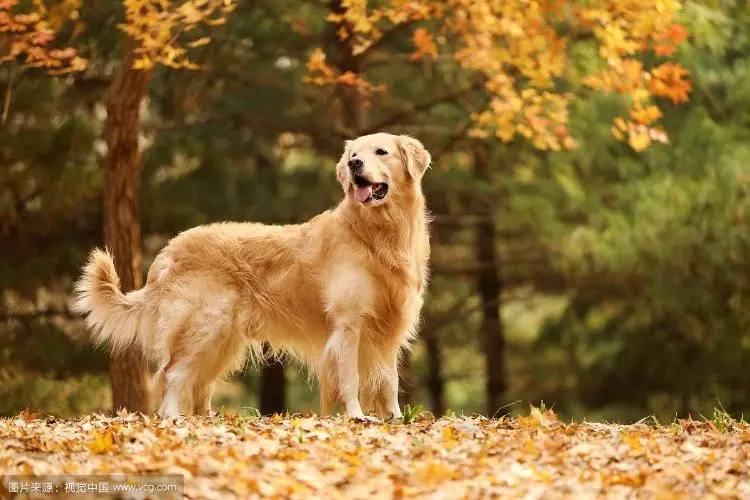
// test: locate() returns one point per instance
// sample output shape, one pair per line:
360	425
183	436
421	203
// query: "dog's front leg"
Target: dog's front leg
340	372
392	408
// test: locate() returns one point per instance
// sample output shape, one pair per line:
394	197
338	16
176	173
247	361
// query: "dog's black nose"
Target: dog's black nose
355	164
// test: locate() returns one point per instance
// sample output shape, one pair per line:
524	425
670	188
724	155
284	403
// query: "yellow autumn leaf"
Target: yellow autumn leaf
620	124
334	18
546	419
143	63
633	442
617	134
101	443
477	133
645	115
639	141
530	447
200	42
450	438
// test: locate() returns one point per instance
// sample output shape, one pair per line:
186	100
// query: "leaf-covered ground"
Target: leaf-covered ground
309	457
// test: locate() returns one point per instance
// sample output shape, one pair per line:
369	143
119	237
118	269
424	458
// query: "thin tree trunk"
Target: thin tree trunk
122	229
272	388
406	380
273	384
435	382
356	117
489	287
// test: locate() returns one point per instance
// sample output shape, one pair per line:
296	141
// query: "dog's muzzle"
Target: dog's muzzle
366	191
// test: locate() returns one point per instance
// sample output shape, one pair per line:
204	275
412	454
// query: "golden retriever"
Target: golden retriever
343	291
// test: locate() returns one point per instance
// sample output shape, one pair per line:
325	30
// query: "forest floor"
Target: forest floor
308	457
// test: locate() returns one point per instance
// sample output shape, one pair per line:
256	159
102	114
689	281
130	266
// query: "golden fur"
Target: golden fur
342	291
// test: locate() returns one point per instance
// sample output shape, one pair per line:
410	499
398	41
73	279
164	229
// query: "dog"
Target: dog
342	292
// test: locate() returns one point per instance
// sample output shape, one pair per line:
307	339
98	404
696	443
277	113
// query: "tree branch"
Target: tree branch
424	106
388	35
42	313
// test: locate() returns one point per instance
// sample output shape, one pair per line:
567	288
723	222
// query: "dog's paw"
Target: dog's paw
394	418
362	418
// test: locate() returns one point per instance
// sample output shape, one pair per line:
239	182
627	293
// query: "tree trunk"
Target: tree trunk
489	287
272	388
122	229
406	380
273	384
435	382
356	116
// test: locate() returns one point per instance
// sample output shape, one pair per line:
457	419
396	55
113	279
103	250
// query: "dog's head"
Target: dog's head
377	167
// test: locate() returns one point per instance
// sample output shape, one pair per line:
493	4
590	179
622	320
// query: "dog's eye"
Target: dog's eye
381	152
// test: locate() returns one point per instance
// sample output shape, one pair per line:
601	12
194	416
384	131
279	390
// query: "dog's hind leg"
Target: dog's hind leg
158	387
328	393
202	398
223	350
175	371
176	376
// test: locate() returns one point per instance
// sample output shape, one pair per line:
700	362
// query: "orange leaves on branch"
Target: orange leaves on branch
637	132
539	116
646	115
320	73
522	50
317	66
358	26
161	27
634	27
29	34
362	26
668	80
424	44
665	44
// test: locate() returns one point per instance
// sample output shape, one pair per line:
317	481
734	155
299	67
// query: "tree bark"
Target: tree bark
273	384
356	116
435	382
406	380
122	229
272	388
490	290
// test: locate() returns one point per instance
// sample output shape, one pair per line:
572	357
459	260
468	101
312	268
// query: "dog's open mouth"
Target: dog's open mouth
366	191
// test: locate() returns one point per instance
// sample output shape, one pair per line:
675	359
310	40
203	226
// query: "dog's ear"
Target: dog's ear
341	167
415	156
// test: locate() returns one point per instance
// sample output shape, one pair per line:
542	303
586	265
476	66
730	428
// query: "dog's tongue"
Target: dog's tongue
361	193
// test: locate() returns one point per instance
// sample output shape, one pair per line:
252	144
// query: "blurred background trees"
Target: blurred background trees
608	277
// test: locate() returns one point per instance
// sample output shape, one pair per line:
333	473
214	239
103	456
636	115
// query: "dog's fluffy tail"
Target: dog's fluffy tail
111	316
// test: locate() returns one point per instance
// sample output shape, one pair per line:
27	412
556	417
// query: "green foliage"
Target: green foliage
411	413
61	397
723	421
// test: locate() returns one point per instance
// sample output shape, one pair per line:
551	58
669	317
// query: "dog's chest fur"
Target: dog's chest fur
398	280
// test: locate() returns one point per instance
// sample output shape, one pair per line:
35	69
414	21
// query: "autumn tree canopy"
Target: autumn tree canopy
29	35
524	53
165	30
